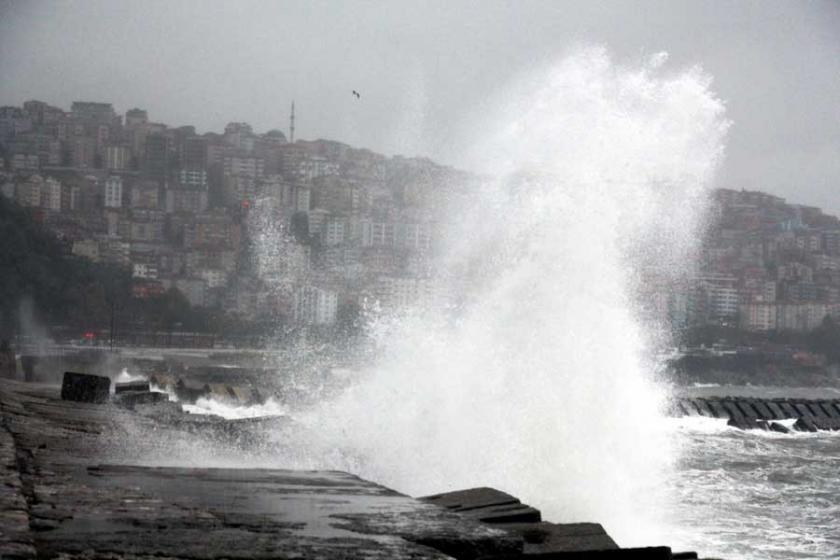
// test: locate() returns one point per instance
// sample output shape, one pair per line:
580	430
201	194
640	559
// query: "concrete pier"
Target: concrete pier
77	482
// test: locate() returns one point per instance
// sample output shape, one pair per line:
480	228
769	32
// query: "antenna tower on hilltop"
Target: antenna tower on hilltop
292	125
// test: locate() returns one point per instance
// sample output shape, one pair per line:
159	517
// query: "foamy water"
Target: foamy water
754	495
234	412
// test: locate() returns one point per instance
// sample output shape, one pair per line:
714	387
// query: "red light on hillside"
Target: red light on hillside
89	335
246	204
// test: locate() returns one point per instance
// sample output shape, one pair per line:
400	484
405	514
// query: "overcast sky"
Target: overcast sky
423	67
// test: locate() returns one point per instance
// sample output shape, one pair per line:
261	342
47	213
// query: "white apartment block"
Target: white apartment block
722	298
113	192
315	166
315	306
51	194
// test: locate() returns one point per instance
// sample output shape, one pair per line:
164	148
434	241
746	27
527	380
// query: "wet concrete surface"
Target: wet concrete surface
61	496
97	481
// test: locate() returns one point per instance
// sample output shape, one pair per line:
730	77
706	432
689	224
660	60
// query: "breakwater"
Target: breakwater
82	475
780	414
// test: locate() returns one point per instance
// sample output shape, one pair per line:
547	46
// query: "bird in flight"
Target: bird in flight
357	94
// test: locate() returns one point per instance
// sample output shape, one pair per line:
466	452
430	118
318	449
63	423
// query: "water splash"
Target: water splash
230	411
539	383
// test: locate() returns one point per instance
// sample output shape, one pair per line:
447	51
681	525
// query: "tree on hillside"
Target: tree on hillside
825	339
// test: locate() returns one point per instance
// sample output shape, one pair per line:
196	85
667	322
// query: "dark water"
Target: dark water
756	495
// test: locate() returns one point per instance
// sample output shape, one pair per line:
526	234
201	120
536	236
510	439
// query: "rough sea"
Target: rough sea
753	495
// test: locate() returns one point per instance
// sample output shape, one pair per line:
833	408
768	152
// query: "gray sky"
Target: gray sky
424	67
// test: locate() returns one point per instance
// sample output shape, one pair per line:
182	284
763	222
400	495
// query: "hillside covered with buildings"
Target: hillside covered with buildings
264	228
189	211
766	265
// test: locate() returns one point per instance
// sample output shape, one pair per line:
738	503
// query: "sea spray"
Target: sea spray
537	379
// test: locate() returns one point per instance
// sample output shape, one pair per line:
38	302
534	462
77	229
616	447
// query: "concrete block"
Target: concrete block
555	537
142	386
830	409
816	409
82	387
732	410
717	408
805	424
487	505
471	498
788	410
774	407
763	410
825	423
747	409
130	399
649	553
702	407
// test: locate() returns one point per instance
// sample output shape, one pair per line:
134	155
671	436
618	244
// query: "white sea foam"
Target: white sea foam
126	377
537	382
231	411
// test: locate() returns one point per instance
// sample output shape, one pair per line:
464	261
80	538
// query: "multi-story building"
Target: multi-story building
394	291
214	278
193	201
244	165
25	162
158	147
113	192
145	194
87	248
800	316
194	153
334	231
314	306
134	117
28	192
145	271
93	112
193	178
721	295
211	229
758	316
117	158
51	194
